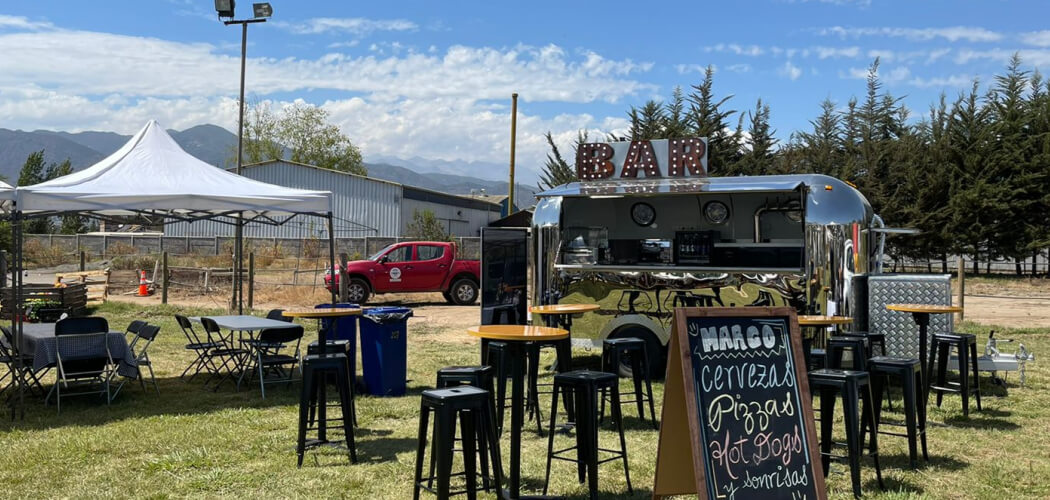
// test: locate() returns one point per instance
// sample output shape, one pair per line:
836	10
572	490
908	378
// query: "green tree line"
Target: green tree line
971	173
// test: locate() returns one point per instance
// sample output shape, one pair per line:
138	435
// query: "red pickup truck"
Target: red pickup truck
412	266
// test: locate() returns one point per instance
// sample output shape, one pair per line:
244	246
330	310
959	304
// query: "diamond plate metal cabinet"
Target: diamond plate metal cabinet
902	334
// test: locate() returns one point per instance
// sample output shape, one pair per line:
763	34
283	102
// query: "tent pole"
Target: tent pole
331	255
17	404
238	290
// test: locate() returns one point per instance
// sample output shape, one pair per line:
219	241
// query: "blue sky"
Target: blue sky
433	79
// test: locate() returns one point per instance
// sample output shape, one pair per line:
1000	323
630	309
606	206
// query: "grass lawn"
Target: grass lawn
192	442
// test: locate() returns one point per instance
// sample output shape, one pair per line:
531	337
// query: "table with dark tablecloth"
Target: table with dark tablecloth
39	341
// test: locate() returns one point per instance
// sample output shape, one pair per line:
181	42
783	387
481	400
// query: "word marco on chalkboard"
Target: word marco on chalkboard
737	387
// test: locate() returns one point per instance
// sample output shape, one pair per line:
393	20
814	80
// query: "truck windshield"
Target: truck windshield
380	253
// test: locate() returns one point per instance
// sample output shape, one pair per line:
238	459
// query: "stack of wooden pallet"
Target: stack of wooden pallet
97	282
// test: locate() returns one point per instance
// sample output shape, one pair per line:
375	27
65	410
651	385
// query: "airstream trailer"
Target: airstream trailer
641	246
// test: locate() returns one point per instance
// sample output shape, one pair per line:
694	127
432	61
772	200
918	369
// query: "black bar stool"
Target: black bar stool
871	340
853	387
338	346
494	354
909	373
563	363
585	385
474	376
838	346
613	353
966	348
317	369
473	407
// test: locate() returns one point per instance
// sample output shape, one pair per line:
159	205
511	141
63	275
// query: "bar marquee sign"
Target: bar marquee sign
660	158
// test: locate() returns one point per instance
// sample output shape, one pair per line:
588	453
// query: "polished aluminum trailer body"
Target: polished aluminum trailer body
796	240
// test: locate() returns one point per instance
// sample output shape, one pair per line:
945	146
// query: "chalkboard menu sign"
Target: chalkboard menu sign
737	388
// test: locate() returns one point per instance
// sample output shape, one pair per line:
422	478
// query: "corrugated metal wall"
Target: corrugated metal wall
459	221
361	206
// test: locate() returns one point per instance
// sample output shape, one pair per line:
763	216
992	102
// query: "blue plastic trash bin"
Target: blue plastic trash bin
384	349
345	329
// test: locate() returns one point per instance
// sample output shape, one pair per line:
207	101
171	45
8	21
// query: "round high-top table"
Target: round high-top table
921	313
818	323
516	337
561	314
334	314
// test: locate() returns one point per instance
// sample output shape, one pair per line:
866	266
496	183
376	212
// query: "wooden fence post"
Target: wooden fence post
164	278
82	261
344	294
251	279
962	285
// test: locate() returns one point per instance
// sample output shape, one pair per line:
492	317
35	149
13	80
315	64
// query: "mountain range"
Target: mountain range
214	144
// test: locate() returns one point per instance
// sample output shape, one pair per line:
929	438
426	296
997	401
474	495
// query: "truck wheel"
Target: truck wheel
656	352
357	291
464	292
448	297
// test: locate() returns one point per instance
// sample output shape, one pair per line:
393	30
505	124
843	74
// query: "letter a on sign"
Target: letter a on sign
640	157
594	161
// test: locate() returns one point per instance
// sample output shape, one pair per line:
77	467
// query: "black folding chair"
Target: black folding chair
278	314
9	357
76	370
202	347
144	335
233	357
266	356
133	328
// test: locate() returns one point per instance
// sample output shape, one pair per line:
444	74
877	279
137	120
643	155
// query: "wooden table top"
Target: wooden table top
924	308
518	332
334	312
816	320
563	308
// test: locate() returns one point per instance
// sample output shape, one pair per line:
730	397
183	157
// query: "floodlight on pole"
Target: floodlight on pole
225	9
261	10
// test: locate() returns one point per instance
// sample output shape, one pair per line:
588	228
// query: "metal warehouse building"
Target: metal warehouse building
361	206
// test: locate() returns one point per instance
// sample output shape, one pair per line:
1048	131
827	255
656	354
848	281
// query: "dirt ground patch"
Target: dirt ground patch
998	301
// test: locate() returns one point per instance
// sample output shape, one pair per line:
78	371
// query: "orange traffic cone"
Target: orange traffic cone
143	288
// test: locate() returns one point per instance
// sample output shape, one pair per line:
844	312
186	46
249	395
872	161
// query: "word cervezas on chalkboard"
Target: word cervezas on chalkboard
738	383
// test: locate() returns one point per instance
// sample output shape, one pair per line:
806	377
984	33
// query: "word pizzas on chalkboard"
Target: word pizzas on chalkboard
737	417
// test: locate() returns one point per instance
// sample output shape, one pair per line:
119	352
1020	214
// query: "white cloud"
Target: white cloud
354	25
1037	38
445	104
739	68
1032	57
834	52
952	34
23	23
733	48
895	75
790	71
958	81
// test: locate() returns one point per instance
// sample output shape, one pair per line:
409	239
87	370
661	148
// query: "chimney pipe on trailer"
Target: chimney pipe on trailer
513	139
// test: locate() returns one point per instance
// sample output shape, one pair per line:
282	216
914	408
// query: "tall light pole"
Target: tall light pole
260	11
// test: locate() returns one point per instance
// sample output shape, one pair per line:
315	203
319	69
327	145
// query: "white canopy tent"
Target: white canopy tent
7	196
151	176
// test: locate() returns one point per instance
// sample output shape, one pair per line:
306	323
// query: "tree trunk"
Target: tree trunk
975	269
1017	266
1035	263
944	263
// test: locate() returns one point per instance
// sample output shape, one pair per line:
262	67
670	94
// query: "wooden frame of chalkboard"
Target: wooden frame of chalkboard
772	461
